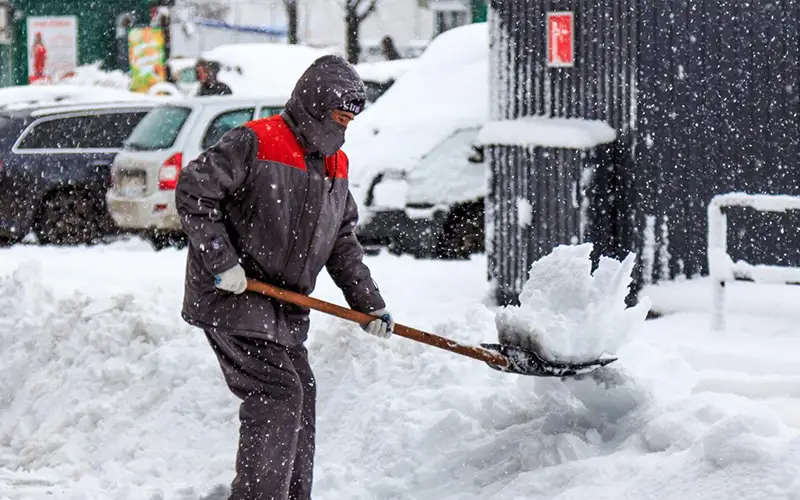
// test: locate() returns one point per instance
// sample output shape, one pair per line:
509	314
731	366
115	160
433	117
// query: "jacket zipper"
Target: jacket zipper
297	225
316	223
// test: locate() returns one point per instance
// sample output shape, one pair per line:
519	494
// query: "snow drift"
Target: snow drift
117	398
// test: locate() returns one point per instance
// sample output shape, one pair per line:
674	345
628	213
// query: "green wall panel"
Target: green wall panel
96	27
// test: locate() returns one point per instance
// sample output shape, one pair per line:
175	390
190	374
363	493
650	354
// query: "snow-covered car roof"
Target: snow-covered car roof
61	109
244	100
384	71
259	68
447	88
178	64
22	96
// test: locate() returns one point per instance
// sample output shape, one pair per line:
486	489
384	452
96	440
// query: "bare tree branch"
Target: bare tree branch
370	9
357	5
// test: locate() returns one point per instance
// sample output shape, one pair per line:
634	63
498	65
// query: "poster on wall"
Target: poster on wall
52	46
5	30
146	55
560	39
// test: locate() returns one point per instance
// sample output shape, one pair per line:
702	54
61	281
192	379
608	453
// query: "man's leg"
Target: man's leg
303	473
262	375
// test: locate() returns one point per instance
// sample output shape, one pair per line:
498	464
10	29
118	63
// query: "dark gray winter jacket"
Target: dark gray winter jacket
273	195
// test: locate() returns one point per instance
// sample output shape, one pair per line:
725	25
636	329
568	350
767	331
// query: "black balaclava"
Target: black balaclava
329	83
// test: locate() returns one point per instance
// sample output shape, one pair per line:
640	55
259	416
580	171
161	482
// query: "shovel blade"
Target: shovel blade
524	362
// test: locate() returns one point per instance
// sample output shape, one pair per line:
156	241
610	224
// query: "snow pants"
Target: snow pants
275	457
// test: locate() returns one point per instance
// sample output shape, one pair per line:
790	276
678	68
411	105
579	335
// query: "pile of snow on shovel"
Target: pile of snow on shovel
567	313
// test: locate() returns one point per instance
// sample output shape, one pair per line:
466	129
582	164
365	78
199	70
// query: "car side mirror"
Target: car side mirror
477	155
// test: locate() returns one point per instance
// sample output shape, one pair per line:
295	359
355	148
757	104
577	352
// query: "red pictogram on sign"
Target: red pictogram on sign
560	39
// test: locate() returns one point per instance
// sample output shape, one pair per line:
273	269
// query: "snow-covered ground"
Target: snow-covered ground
106	393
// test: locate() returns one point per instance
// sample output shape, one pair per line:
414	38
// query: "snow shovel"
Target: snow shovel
501	357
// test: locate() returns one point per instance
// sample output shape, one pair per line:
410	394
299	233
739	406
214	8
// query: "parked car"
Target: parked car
54	169
183	73
379	76
144	175
434	209
414	167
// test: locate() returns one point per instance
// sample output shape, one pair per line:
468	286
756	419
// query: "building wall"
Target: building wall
718	113
96	28
321	22
558	183
705	100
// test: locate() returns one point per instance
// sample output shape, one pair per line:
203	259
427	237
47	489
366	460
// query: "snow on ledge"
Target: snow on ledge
572	133
758	201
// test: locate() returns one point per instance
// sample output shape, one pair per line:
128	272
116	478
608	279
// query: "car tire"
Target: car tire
67	218
160	240
463	232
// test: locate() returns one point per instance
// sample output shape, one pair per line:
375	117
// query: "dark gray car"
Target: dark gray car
54	169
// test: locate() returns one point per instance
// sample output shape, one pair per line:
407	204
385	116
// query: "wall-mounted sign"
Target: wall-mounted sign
560	39
52	46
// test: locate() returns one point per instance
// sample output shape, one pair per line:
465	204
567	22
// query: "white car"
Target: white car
415	166
145	173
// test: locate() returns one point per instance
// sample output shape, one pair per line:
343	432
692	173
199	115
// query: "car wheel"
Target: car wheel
160	240
463	232
67	218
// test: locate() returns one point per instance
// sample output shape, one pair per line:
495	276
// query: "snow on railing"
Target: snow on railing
721	267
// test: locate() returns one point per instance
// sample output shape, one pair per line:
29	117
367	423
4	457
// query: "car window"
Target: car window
268	111
224	123
187	76
109	130
158	129
52	133
376	89
93	131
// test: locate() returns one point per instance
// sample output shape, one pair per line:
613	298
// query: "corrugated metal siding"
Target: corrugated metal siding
601	86
550	182
704	97
718	113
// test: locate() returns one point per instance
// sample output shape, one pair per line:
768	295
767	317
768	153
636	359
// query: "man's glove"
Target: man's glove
381	327
232	280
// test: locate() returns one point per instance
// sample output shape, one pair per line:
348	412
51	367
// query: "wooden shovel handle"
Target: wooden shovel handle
361	318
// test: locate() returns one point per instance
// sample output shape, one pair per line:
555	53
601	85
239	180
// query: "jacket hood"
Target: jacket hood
329	83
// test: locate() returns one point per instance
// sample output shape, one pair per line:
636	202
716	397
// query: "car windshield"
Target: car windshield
158	129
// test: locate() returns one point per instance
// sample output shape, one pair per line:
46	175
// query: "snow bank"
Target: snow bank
91	74
107	395
569	314
575	133
117	398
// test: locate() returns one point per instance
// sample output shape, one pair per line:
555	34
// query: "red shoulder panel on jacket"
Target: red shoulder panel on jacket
276	142
338	164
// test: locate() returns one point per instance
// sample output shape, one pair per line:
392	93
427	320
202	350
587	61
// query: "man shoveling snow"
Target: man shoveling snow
271	201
